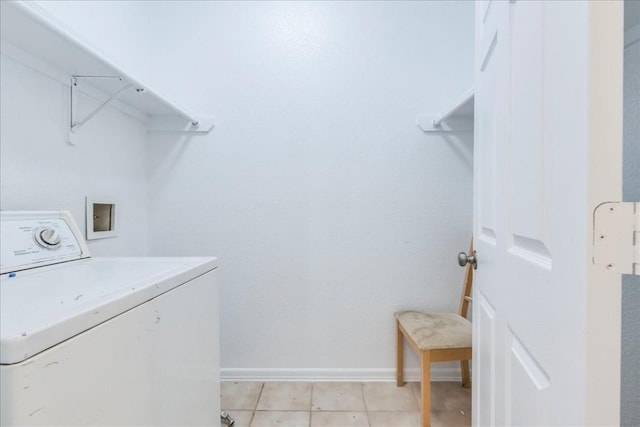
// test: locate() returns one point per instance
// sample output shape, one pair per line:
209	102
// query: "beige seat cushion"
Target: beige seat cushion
436	330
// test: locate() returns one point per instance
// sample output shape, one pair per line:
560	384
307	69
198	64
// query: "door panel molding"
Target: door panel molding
529	387
484	362
531	250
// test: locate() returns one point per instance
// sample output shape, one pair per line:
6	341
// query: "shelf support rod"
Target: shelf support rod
194	122
437	122
75	125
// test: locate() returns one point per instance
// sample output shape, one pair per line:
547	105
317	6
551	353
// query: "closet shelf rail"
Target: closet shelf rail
32	29
457	118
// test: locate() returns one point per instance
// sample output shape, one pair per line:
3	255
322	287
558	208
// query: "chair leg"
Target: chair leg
466	377
425	388
399	356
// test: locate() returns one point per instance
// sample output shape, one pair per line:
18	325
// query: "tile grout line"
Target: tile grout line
253	414
311	401
364	402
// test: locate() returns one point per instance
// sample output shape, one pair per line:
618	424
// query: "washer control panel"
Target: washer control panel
48	237
36	239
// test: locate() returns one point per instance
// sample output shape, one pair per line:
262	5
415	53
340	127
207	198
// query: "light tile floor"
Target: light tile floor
342	404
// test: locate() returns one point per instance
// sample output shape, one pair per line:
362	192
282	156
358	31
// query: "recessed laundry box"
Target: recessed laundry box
102	341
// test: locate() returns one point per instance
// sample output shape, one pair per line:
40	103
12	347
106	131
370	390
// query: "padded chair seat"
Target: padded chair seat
436	330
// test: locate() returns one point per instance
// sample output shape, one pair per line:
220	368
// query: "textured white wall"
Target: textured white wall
39	170
117	29
328	208
630	405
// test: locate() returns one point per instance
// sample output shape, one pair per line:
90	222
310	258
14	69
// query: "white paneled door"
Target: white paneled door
548	151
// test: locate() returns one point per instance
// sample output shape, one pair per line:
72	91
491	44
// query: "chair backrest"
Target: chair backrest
465	298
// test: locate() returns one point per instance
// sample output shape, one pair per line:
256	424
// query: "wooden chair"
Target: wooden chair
436	337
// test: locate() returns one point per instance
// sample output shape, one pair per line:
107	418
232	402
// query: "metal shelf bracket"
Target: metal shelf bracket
183	123
75	124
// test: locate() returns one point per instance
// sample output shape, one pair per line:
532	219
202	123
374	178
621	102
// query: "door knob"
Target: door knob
464	259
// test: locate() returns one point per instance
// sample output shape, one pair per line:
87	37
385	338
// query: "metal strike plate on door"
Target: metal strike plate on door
616	238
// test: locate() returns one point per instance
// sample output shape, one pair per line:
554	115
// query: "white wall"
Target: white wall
39	170
118	30
630	387
328	208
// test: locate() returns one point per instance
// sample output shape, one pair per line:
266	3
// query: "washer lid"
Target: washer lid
42	307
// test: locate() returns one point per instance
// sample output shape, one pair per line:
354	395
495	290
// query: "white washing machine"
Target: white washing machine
102	341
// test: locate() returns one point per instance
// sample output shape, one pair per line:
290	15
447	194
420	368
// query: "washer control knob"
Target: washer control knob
48	238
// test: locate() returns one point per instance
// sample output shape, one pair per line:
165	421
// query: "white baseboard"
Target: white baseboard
356	375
